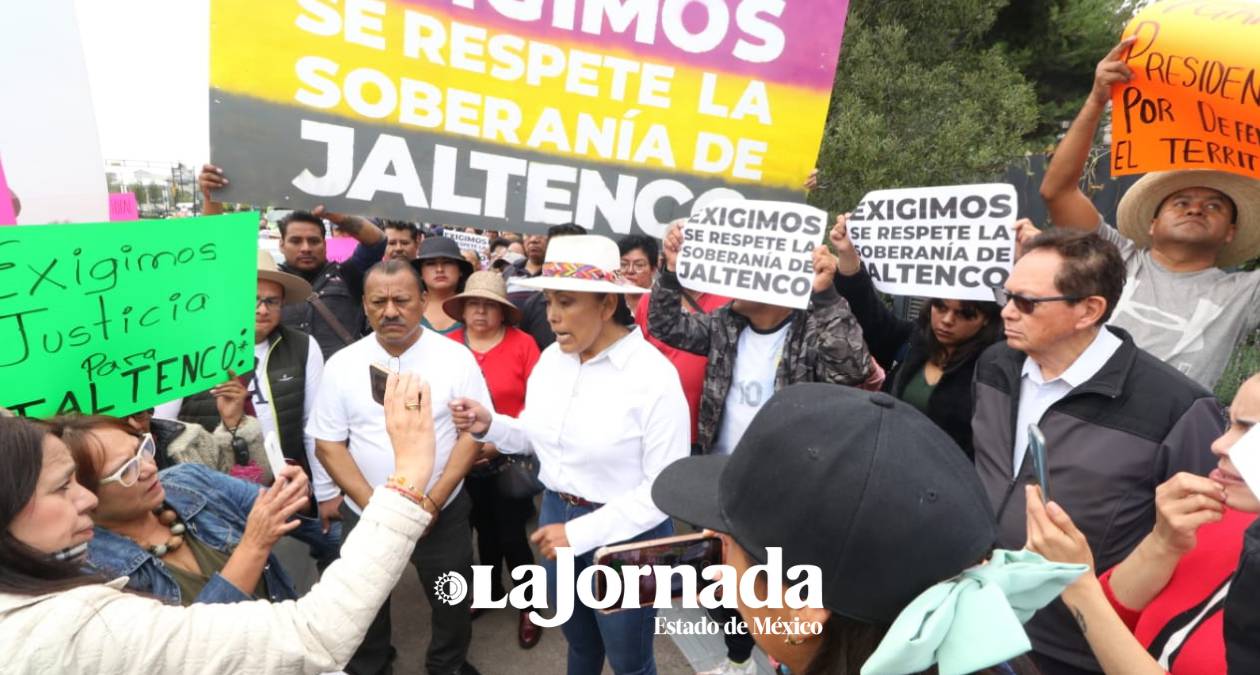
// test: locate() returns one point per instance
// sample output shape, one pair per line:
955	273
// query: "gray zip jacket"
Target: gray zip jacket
1109	444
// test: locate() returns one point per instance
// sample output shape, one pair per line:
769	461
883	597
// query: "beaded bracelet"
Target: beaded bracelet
401	482
406	493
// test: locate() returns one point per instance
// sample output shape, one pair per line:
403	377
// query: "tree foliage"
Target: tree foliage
1056	44
938	92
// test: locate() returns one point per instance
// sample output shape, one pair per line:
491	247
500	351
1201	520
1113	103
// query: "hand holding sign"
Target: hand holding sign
849	262
210	179
673	244
1112	70
824	268
229	398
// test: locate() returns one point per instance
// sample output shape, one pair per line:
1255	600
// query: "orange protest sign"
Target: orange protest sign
1194	99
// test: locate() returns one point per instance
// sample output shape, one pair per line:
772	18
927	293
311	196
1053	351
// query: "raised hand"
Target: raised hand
1111	70
847	260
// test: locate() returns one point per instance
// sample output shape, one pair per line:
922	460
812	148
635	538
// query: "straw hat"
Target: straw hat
585	263
487	285
296	289
1138	206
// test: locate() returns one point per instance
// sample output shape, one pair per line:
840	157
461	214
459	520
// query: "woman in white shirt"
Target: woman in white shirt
604	413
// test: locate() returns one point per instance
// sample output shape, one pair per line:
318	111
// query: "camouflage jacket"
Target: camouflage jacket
824	344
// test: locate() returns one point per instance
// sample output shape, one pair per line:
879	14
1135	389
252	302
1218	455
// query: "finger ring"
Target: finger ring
412	406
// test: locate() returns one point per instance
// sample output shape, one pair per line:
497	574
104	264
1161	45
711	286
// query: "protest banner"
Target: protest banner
7	217
468	242
520	114
1194	99
954	242
123	207
752	250
115	318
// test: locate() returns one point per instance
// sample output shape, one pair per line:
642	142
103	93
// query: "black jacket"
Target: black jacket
901	348
1109	443
284	384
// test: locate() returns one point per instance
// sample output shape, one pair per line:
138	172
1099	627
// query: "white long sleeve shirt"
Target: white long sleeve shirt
602	430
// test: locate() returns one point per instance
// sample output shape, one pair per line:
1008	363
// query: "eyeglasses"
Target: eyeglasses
636	266
964	313
269	303
1024	303
129	473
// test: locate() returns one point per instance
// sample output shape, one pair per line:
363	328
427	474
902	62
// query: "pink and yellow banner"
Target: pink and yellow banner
520	114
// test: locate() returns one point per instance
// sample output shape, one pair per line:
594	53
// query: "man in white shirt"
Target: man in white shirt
351	441
1118	422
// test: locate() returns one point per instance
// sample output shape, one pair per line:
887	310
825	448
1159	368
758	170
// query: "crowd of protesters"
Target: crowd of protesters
573	378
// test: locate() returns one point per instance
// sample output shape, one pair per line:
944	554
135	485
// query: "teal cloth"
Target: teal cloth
974	620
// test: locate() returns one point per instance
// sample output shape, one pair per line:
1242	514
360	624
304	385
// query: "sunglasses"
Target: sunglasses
129	473
964	313
1026	304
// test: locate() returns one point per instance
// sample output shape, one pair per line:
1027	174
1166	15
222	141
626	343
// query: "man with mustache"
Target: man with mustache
351	442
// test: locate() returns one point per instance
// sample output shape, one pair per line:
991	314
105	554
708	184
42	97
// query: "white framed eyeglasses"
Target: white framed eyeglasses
129	473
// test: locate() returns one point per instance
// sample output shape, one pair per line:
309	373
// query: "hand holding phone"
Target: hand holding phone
693	550
1037	448
379	375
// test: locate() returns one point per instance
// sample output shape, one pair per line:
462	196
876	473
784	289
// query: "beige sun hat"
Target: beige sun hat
1138	206
584	263
296	289
487	285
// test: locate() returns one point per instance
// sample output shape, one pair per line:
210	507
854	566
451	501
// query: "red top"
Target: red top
506	368
1193	597
690	366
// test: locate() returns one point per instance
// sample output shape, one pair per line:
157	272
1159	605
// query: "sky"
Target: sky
148	68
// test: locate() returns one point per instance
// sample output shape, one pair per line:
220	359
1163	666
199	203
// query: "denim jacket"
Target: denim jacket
214	507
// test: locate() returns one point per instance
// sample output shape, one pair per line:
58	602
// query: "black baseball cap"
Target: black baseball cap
858	483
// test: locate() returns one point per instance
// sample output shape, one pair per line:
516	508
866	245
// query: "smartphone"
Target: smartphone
379	375
1037	448
694	550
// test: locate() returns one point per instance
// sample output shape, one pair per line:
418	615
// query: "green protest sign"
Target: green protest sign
113	318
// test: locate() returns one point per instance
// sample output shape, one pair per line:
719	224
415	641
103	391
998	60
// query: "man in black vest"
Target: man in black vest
333	312
287	370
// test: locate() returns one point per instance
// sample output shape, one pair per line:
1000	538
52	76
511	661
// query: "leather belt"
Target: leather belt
574	500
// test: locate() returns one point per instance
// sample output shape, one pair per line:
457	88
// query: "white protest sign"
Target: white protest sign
1245	456
954	242
752	250
468	242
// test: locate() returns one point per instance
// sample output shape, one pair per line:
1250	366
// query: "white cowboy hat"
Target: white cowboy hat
296	289
1138	206
585	263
